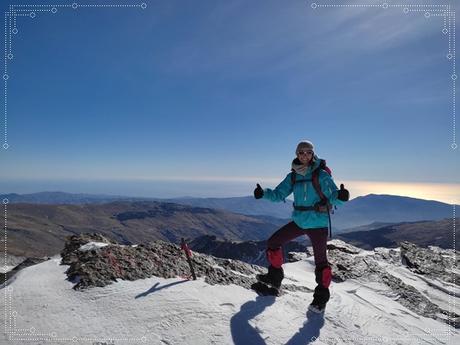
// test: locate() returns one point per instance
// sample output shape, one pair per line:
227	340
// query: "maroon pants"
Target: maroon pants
318	239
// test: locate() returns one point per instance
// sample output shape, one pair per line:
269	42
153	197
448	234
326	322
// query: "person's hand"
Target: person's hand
343	194
258	192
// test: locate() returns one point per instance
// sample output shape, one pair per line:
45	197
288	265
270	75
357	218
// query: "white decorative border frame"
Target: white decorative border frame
448	14
10	30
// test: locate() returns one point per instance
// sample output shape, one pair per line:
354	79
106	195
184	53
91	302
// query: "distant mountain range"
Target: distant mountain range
39	230
428	233
389	209
244	205
360	211
54	198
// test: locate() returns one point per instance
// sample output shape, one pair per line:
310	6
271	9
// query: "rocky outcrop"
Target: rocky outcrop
105	264
433	262
70	252
350	262
96	261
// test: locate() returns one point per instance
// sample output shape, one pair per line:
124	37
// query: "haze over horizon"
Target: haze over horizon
447	193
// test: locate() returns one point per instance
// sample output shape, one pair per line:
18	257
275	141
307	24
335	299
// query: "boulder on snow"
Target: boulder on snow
432	261
103	265
343	247
107	261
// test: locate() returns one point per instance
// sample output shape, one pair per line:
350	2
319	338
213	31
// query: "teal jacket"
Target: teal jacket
305	195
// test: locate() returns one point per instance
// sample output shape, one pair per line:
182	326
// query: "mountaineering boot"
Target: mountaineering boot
323	277
269	284
263	289
273	278
320	298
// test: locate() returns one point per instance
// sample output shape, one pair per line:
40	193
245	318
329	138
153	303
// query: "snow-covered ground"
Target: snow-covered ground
39	307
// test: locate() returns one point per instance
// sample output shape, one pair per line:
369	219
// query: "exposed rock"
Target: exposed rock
74	242
349	262
432	261
411	298
104	265
346	266
343	247
390	255
295	256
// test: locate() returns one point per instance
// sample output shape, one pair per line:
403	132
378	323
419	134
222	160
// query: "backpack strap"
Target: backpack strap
324	201
315	179
316	185
293	176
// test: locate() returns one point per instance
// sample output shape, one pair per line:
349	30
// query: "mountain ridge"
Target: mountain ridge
360	211
40	229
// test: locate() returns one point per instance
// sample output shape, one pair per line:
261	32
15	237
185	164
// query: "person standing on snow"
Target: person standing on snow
314	194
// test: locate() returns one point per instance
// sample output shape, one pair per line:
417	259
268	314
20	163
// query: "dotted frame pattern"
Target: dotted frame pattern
34	10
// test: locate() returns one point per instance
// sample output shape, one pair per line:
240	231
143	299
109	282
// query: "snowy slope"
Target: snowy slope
39	306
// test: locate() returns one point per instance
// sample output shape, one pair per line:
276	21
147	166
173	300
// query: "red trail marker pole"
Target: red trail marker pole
188	254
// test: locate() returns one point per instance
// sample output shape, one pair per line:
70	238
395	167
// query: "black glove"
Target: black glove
258	192
343	194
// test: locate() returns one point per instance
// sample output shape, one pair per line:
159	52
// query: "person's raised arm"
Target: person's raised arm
280	193
335	195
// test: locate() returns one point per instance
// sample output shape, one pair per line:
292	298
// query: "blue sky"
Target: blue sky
218	90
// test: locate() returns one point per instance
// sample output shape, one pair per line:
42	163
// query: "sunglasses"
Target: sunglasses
305	152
